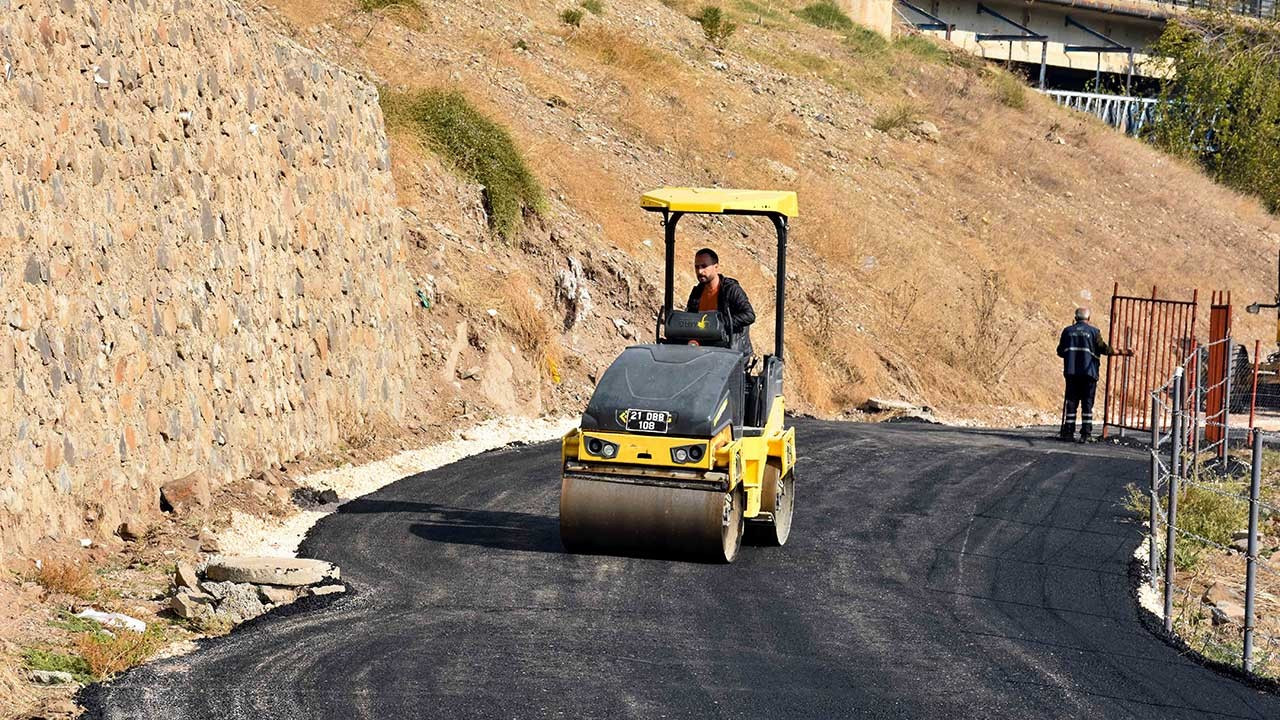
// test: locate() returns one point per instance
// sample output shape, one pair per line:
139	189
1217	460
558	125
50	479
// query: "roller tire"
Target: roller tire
777	497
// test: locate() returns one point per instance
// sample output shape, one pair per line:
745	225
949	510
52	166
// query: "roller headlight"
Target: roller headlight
601	448
688	454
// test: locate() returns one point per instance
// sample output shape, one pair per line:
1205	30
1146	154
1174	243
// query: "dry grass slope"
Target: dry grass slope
940	271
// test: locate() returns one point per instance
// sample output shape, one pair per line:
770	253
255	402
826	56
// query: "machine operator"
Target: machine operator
723	294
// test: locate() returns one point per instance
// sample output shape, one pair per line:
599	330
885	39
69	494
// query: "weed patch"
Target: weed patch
476	146
826	14
68	577
862	41
372	5
616	49
53	661
896	118
595	7
760	10
75	624
921	47
1210	515
1010	90
108	655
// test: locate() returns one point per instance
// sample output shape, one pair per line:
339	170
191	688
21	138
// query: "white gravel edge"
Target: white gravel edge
280	537
1149	598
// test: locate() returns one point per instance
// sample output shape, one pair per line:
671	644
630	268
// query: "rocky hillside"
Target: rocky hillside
951	219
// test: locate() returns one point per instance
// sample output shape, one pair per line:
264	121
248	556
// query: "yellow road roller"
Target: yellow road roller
683	445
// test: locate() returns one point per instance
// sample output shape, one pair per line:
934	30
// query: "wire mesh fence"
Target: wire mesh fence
1203	499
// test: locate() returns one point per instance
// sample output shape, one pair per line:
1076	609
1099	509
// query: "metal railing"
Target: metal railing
1123	112
1176	469
1265	9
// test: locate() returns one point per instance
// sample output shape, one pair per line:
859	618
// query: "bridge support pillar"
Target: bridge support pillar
876	15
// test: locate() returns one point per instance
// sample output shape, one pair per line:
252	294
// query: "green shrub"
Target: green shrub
897	117
1210	515
572	16
864	41
760	11
1221	104
1201	511
109	654
922	47
1010	90
371	5
826	14
51	660
476	146
595	7
715	26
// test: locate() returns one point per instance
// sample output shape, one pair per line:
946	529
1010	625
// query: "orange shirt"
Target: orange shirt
710	299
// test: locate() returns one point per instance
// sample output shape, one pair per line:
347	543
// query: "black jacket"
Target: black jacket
734	307
1080	346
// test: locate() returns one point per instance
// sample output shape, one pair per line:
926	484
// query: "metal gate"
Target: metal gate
1161	334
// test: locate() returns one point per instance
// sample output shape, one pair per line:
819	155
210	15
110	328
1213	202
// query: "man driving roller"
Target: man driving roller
723	294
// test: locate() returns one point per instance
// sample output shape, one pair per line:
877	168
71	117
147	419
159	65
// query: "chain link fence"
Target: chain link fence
1192	463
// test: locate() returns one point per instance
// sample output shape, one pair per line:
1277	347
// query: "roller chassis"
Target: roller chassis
681	449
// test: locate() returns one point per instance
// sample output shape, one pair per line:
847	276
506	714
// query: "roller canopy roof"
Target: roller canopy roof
721	201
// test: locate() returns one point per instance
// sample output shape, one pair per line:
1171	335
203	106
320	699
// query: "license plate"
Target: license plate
647	421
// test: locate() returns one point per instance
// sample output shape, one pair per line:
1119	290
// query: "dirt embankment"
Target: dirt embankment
949	223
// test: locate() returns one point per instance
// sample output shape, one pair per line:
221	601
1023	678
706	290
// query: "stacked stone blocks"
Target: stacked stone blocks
200	257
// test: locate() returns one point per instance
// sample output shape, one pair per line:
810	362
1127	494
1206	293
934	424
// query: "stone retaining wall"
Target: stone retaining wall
200	257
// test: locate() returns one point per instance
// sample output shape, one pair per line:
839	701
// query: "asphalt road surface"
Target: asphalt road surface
931	573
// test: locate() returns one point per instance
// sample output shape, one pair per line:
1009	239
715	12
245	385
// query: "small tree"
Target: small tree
715	26
1221	104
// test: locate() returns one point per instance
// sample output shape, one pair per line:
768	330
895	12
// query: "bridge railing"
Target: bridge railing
1123	112
1266	9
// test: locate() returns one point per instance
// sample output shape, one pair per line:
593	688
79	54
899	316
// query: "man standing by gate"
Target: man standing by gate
1080	347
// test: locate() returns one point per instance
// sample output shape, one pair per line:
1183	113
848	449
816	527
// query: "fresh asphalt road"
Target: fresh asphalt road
931	573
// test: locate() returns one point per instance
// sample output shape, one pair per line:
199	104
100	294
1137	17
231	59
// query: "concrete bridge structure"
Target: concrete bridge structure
1059	43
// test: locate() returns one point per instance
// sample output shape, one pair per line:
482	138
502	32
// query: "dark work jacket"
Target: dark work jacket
1080	347
734	307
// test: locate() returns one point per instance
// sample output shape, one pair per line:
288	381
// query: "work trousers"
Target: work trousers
1079	393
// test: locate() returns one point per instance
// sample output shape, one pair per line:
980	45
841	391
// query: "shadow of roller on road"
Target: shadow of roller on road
500	529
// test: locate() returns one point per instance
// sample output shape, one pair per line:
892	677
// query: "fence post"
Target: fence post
1195	414
1175	424
1171	521
1226	405
1253	392
1251	559
1152	555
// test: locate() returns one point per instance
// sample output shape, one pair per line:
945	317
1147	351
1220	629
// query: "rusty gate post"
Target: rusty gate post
1111	331
1226	403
